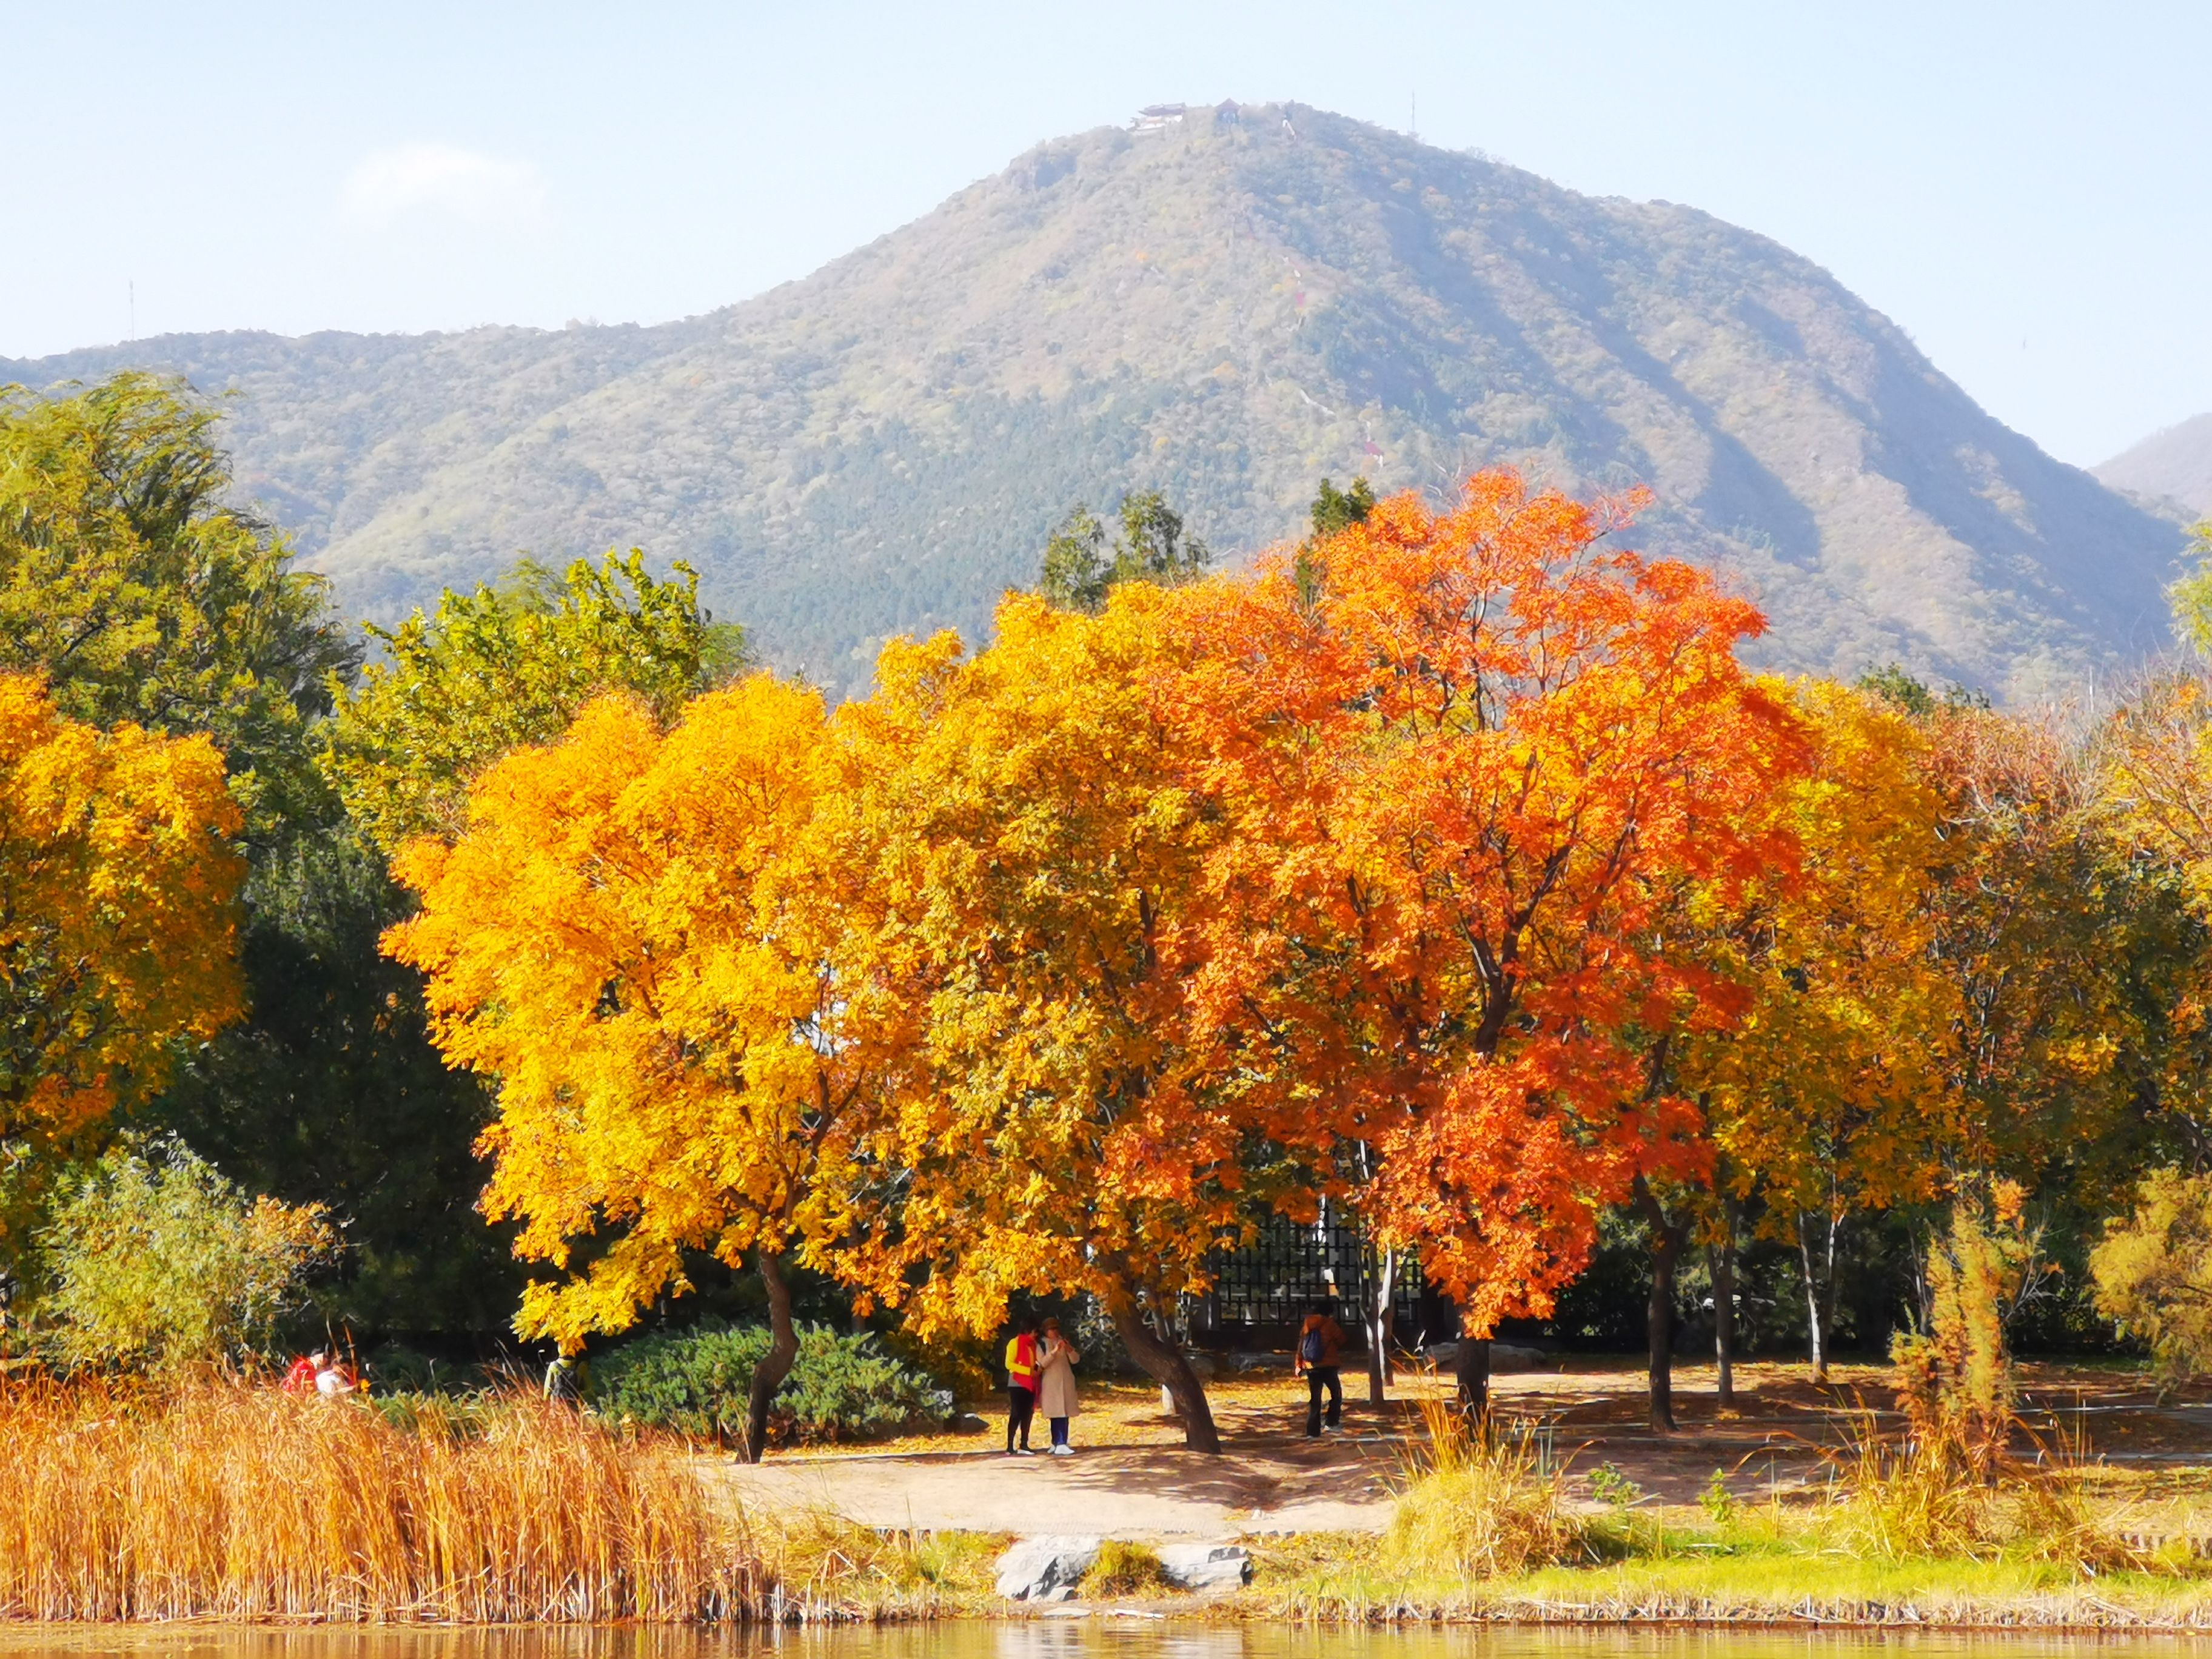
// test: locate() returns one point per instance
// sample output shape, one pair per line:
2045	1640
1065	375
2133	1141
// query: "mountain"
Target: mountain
2174	466
1224	305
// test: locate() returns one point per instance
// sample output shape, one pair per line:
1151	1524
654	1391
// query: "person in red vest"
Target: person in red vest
300	1379
1021	1385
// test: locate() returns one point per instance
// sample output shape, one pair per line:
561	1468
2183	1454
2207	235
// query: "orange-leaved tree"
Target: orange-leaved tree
1072	1123
1507	759
630	937
117	921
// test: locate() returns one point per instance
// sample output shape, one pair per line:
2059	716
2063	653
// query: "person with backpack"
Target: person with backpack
1320	1346
1021	1385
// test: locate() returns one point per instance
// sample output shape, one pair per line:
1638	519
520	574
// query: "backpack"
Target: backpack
1311	1347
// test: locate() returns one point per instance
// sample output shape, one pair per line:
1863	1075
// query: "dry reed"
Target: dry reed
1914	1496
226	1501
1477	1504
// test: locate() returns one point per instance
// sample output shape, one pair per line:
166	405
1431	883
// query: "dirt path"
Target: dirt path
1137	1492
1131	1478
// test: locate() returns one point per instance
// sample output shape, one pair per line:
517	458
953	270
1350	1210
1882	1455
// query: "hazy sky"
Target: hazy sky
2026	188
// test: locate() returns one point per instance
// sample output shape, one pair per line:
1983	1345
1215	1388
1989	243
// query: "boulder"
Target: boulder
1504	1357
1205	1566
1045	1569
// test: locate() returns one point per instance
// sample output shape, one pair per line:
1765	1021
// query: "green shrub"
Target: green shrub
2153	1269
395	1368
156	1260
842	1387
1609	1483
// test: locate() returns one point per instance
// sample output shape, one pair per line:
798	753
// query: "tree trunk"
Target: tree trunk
1820	1287
1473	1368
1164	1362
1377	1317
1667	1238
1723	1263
775	1364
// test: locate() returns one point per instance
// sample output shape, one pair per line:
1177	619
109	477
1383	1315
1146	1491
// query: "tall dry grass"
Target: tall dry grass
1918	1496
1479	1503
224	1501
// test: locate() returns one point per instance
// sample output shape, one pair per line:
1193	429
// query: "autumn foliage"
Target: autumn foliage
1049	968
1035	830
117	927
630	936
1511	759
1450	868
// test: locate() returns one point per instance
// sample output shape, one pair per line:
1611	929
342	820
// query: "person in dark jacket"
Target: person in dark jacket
1320	1348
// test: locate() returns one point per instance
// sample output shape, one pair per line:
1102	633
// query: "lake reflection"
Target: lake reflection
1065	1638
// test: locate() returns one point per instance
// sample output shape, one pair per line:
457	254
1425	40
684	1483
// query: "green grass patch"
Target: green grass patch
1125	1569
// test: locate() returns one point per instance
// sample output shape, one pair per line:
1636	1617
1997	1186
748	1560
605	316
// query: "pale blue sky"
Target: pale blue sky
2027	188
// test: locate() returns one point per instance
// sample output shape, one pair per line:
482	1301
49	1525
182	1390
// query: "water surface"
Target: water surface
1089	1639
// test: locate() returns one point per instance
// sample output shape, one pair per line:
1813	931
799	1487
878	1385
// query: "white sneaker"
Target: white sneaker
1063	1451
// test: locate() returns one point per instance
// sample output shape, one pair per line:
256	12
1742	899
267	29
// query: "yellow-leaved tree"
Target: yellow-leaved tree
1073	1120
117	926
630	937
1829	1098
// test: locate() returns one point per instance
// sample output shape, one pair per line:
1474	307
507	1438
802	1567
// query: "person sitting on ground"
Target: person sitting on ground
1021	1385
1056	1358
333	1379
1320	1346
301	1378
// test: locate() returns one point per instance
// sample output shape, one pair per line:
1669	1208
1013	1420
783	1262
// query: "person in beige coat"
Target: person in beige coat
1056	1359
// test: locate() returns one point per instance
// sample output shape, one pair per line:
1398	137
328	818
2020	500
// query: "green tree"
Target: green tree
1080	570
133	580
1909	695
331	1092
507	666
1334	509
156	1259
2192	597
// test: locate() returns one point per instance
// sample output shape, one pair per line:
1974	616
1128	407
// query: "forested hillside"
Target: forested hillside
1223	310
2172	466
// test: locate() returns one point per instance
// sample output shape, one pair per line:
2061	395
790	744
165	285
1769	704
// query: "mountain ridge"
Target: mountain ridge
2171	467
1225	310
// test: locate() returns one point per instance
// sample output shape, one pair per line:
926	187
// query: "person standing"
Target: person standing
1320	1350
1056	1359
1021	1385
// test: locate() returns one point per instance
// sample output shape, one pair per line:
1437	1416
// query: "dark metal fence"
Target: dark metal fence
1290	1265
